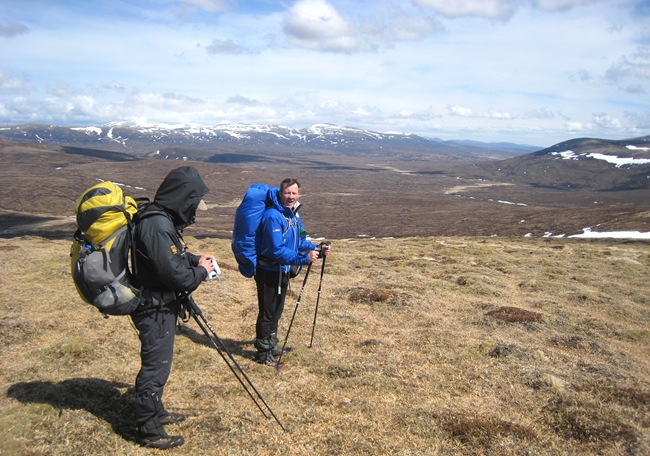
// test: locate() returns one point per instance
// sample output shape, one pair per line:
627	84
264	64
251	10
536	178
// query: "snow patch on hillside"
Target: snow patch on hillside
618	161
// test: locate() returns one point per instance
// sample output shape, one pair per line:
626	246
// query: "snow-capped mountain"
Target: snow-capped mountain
198	142
607	165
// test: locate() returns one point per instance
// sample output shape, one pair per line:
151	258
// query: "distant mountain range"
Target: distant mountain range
587	163
200	143
592	163
367	183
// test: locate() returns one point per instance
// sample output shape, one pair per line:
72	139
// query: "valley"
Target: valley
344	195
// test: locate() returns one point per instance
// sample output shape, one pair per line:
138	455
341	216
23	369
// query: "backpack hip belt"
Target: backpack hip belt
153	298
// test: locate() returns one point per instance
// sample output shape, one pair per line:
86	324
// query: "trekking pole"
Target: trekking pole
320	285
232	363
278	366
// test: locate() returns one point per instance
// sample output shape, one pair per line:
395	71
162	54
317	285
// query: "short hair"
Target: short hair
288	182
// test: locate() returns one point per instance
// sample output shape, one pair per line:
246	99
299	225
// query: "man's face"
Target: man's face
289	195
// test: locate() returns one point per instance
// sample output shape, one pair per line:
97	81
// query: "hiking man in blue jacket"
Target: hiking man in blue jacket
281	243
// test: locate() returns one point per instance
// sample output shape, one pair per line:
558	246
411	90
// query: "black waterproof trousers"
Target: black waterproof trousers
157	330
271	293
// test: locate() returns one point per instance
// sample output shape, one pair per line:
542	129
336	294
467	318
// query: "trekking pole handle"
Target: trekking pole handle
320	246
190	304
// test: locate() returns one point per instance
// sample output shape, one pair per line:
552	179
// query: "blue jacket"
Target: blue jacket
277	245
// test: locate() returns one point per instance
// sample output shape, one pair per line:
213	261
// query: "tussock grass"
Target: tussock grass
456	346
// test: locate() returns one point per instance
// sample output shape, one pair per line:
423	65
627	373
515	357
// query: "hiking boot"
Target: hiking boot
277	350
266	357
162	443
273	363
264	344
165	417
271	343
151	434
170	418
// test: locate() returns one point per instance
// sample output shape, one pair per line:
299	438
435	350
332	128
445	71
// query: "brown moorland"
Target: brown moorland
343	196
438	345
442	340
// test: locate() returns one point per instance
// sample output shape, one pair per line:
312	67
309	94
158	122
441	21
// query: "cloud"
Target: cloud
423	115
397	24
211	6
317	25
641	120
635	89
165	101
83	106
601	124
460	111
493	9
574	126
542	113
13	29
561	5
113	87
225	47
584	75
11	82
603	120
496	9
633	66
244	101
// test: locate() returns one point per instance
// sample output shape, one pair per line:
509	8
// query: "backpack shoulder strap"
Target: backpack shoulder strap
139	216
295	211
112	236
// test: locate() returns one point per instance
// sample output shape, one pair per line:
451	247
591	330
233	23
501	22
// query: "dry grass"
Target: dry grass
422	346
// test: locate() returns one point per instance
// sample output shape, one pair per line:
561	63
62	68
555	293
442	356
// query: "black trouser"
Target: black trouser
270	301
157	330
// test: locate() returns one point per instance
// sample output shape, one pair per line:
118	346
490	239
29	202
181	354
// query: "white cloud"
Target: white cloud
404	27
561	5
317	25
225	47
632	66
12	82
496	9
455	110
238	99
493	9
640	119
574	126
603	121
208	5
83	105
460	111
540	113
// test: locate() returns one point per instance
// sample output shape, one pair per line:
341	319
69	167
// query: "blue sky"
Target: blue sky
527	71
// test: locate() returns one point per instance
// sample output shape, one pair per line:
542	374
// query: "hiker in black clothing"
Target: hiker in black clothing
281	242
165	269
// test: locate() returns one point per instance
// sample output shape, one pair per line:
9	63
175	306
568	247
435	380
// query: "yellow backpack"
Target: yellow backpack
101	249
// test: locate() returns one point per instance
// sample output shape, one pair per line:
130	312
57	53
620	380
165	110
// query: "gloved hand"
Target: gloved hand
324	249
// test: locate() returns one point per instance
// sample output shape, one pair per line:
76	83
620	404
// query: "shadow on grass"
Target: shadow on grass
234	347
99	397
17	225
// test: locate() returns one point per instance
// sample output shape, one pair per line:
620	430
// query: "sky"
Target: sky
534	72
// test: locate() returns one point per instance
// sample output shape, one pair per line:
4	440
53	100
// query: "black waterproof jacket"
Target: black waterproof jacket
163	264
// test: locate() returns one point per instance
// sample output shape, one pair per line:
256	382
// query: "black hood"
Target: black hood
180	194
